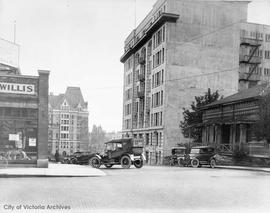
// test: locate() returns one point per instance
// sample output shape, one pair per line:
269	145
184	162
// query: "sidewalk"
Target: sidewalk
54	170
256	169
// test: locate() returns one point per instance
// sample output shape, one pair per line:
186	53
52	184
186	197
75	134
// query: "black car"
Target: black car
202	155
81	157
124	152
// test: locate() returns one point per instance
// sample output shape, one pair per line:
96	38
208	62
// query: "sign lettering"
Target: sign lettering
28	89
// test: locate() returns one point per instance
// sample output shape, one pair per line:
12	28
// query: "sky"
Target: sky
81	42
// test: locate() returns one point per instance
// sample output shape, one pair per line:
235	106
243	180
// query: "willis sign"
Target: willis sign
28	89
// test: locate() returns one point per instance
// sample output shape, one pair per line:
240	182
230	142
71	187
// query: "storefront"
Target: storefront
24	120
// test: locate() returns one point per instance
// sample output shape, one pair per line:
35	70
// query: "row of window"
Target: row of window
64	128
159	37
64	121
255	35
258	70
157	99
156	119
158	58
66	116
157	79
153	139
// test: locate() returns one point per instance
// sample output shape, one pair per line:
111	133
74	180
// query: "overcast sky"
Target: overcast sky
81	42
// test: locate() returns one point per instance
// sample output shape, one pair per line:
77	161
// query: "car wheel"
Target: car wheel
125	162
138	163
181	162
108	165
95	162
195	162
73	161
213	163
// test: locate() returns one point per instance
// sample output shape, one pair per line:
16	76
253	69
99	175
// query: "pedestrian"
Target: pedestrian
56	156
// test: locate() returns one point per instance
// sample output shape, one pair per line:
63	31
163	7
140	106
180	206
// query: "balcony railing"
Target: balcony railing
250	59
250	41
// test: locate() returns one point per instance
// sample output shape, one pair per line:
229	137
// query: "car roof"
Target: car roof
119	140
201	147
179	147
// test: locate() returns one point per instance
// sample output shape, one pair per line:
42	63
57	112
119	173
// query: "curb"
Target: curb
244	168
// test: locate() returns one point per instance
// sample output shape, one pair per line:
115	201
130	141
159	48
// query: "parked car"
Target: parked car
124	152
178	155
81	157
202	155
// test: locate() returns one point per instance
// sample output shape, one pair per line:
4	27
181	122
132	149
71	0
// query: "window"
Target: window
157	79
157	99
267	37
158	58
129	78
266	71
128	109
128	94
267	54
64	135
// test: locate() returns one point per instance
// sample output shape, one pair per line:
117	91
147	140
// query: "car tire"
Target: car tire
125	162
108	165
138	163
95	162
181	162
195	163
73	161
213	163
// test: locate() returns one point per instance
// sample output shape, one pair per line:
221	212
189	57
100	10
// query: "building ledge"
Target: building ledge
164	17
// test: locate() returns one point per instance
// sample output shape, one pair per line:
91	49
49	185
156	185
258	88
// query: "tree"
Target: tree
193	116
261	127
97	139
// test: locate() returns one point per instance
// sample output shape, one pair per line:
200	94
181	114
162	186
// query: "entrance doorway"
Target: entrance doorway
225	134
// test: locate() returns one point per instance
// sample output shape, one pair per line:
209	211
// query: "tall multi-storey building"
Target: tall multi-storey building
181	48
68	122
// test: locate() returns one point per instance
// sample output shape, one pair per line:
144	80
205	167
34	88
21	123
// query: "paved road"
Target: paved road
149	188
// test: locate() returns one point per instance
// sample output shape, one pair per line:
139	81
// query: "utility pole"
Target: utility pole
14	31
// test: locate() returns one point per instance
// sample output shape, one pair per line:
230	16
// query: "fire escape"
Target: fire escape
141	91
249	60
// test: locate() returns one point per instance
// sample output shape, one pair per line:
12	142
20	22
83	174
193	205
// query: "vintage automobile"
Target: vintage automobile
81	157
202	155
124	152
178	155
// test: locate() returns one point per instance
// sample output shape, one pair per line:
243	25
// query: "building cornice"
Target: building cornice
164	17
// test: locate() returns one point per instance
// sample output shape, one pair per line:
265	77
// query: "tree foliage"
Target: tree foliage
97	139
261	127
193	115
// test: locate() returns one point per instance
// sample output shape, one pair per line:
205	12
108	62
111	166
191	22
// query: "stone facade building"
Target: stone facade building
68	122
177	52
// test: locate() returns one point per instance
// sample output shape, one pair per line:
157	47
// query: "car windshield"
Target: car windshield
178	151
201	150
195	151
113	146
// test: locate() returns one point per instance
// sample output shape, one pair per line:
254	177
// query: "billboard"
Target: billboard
9	53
